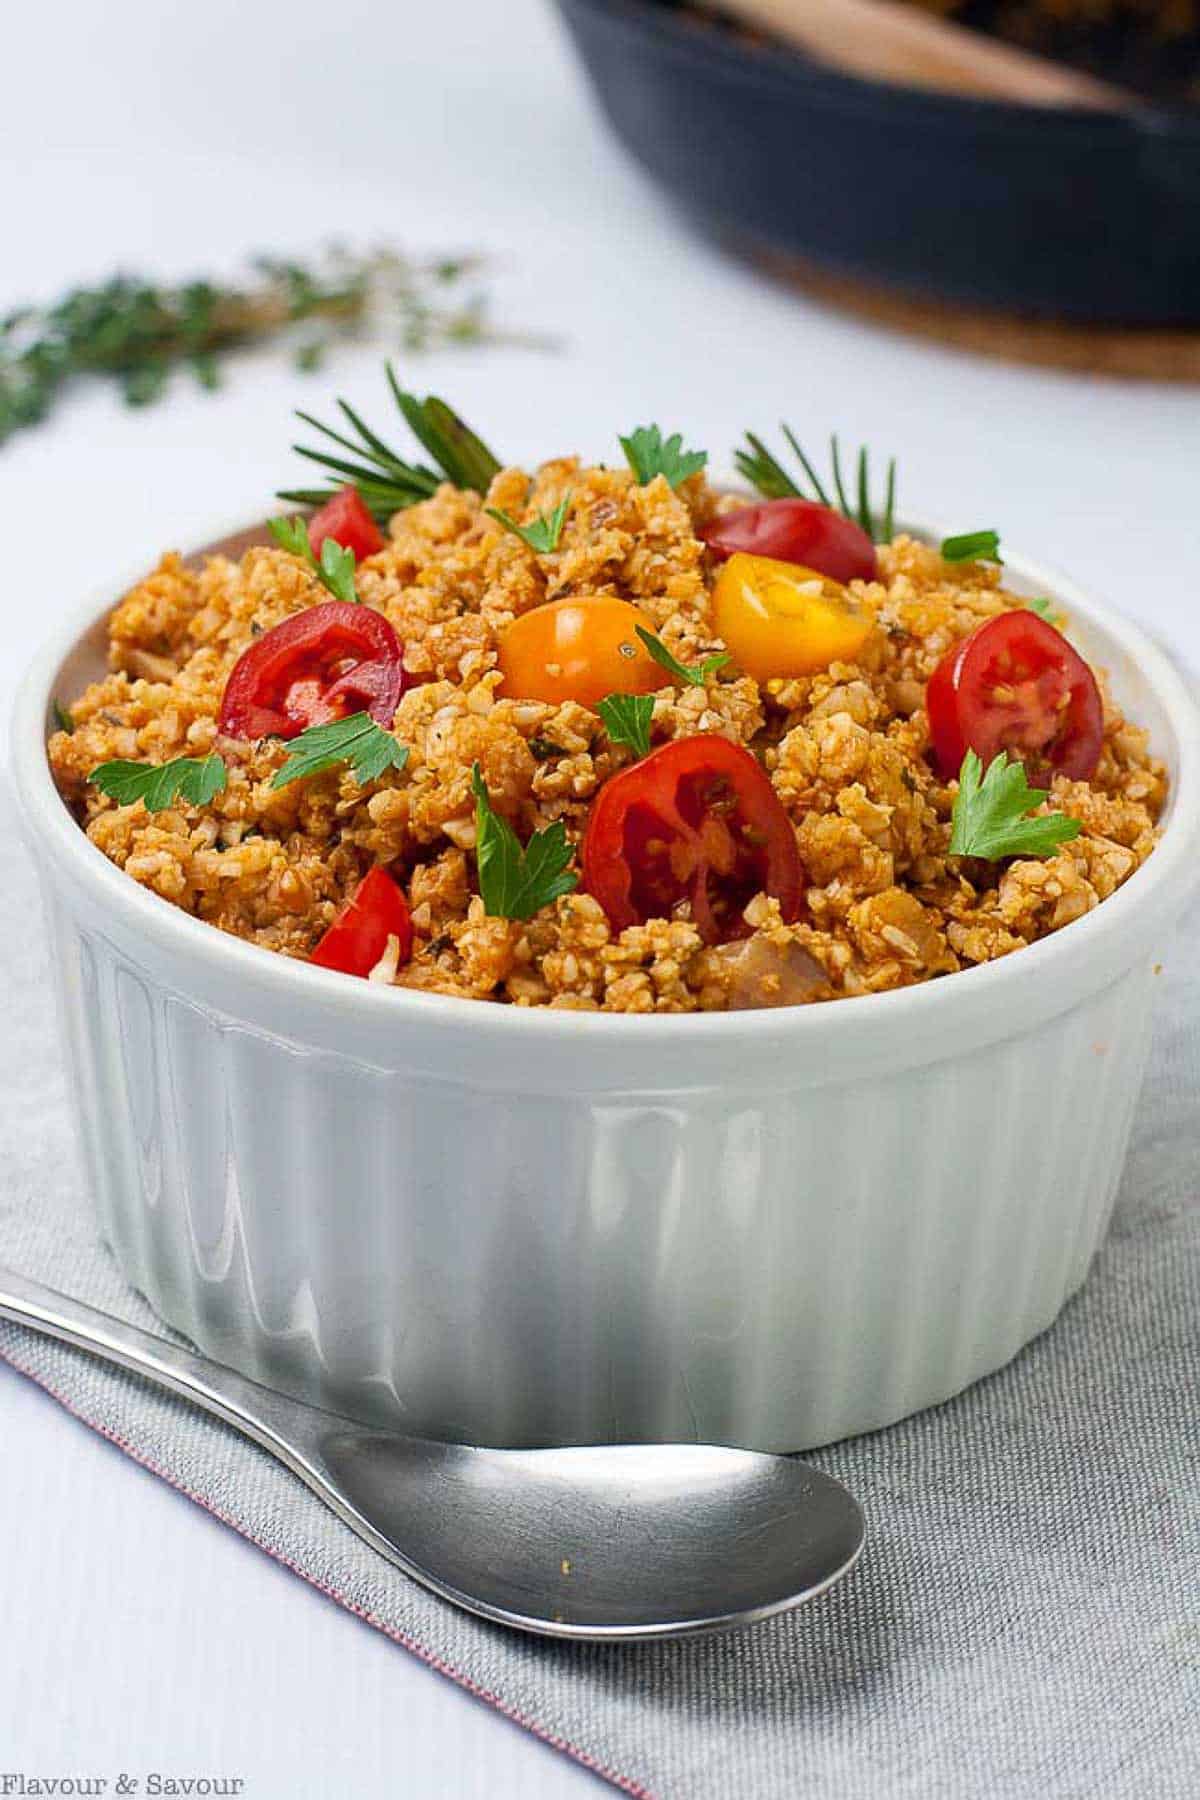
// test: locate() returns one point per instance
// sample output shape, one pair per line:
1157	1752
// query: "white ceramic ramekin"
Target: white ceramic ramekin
524	1227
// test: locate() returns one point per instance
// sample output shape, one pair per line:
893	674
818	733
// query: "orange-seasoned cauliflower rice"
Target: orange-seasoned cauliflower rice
846	750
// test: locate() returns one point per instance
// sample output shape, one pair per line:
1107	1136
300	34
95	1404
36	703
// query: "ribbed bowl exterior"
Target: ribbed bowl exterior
529	1226
525	1268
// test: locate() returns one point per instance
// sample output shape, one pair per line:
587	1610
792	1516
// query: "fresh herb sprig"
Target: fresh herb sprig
334	568
649	454
136	331
972	546
697	675
627	720
991	813
543	534
385	480
516	882
357	741
196	779
763	470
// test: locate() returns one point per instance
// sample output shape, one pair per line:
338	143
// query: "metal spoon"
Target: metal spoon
608	1542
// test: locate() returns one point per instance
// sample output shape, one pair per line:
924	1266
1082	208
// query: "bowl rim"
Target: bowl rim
1044	977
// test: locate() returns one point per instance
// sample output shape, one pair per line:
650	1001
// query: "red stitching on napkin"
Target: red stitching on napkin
402	1638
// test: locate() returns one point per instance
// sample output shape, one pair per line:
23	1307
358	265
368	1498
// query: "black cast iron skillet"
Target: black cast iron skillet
1053	213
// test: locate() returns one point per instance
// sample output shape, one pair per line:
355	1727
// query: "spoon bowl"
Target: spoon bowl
610	1541
603	1542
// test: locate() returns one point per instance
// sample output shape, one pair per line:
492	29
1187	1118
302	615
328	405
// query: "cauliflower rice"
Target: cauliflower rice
846	752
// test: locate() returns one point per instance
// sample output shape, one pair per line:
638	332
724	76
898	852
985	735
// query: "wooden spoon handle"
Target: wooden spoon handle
886	41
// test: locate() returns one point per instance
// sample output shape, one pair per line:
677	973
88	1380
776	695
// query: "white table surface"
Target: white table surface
138	1633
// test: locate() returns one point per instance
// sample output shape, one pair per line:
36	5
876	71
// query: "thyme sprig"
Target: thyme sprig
763	470
385	480
136	331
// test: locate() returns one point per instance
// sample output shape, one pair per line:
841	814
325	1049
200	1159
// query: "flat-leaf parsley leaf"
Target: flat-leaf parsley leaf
649	454
1045	609
196	779
696	676
334	569
972	546
627	720
515	883
990	813
543	534
358	740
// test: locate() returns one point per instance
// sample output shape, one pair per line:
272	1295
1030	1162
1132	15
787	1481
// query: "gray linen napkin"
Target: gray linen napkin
1026	1621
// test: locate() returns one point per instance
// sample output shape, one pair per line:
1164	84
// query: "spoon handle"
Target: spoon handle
270	1419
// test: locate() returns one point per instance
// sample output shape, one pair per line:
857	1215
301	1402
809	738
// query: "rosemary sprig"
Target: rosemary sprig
136	331
763	470
386	482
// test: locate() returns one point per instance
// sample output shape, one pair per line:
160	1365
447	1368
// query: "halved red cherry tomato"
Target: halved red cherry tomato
321	664
798	531
697	821
345	519
358	937
1016	684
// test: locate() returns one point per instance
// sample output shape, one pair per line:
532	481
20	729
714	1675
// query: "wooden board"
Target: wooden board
1138	353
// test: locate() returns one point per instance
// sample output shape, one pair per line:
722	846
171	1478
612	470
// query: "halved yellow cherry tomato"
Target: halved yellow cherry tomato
578	649
779	618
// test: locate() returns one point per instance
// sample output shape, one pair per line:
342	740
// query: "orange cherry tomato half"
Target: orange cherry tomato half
697	822
321	664
780	619
358	937
345	518
1016	684
796	531
578	649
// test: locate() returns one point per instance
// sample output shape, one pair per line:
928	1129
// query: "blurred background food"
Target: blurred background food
1041	50
995	174
1151	45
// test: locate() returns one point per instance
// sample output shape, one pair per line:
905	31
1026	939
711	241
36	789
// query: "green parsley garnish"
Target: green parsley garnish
763	470
515	883
627	720
543	534
648	455
358	741
386	482
335	568
695	677
195	779
990	813
62	717
1045	609
972	546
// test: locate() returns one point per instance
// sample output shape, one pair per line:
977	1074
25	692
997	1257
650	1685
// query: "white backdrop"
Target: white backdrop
139	1633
